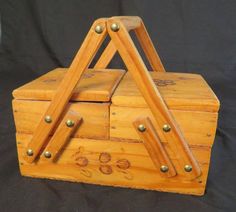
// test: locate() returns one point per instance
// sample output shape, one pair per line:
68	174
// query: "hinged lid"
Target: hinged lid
95	85
180	91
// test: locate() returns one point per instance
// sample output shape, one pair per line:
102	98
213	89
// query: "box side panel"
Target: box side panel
197	127
113	163
95	123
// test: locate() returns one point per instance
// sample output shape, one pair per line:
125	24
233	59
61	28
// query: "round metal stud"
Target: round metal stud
166	128
47	154
164	168
69	123
115	27
188	168
141	128
48	119
98	29
30	152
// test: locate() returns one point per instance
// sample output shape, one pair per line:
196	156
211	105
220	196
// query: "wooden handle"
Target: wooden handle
151	141
63	94
67	126
129	22
144	82
143	38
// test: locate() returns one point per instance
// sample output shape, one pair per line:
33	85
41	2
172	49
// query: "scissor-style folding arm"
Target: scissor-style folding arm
164	124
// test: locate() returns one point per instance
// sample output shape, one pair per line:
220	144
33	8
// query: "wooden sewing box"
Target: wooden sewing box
137	128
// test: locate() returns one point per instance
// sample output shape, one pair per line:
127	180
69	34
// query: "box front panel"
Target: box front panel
95	123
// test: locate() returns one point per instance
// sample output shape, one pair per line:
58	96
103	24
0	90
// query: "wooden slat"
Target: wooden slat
27	115
148	48
81	62
129	22
106	56
61	136
114	163
154	147
198	127
143	80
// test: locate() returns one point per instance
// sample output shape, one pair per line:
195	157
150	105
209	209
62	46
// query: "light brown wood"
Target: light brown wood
106	56
27	115
110	104
146	86
63	94
96	85
61	136
113	163
129	22
177	89
154	147
198	127
148	48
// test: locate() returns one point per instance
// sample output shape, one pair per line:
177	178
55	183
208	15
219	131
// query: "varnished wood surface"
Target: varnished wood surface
154	146
96	85
61	136
95	124
180	91
152	96
197	127
114	163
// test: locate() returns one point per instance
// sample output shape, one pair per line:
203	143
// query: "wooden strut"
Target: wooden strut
121	41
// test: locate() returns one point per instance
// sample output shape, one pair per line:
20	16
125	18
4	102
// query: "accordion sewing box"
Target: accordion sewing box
135	128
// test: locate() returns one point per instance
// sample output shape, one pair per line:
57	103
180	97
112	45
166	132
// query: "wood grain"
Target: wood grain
128	165
61	136
95	124
177	89
197	127
152	96
96	85
154	147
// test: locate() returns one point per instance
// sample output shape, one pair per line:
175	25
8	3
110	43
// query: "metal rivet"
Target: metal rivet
166	128
47	154
69	123
141	128
164	168
30	152
188	168
115	27
98	29
48	119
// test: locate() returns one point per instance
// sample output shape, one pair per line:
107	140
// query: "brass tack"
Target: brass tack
98	29
115	27
48	119
69	123
188	168
29	152
141	128
164	168
166	128
47	154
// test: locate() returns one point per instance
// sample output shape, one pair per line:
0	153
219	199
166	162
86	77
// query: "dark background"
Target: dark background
191	36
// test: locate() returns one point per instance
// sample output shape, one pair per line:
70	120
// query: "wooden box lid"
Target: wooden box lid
95	85
180	91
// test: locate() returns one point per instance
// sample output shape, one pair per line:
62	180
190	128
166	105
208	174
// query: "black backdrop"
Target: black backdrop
191	36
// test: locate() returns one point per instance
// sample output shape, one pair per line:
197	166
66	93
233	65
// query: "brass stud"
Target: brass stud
29	152
141	128
69	123
48	119
164	168
188	168
47	154
115	27
98	29
166	128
